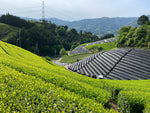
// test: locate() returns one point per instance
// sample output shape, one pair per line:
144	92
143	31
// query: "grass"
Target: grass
129	95
103	47
74	58
90	42
7	28
80	45
93	49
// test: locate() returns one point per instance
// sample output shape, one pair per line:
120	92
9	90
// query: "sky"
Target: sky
72	10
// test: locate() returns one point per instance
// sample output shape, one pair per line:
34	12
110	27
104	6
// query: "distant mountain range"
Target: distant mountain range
99	26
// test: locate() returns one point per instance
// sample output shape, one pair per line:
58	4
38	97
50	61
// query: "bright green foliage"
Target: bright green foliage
62	52
74	58
25	93
131	96
147	108
134	37
133	101
7	31
29	84
149	45
124	29
101	47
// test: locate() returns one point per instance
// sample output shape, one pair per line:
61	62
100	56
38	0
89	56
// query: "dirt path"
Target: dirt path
59	59
59	63
113	106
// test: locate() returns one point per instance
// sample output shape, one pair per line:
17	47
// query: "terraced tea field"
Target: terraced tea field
118	64
29	83
84	48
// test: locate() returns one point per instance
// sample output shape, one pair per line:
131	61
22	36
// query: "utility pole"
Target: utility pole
55	52
36	48
18	42
43	12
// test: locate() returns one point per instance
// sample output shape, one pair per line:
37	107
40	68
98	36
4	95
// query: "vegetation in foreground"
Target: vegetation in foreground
30	83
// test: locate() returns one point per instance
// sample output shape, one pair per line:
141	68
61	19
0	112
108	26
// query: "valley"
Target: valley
112	76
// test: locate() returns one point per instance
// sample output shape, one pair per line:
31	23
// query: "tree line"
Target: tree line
15	21
46	38
135	36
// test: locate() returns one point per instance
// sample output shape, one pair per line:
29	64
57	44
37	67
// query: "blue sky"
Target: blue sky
76	9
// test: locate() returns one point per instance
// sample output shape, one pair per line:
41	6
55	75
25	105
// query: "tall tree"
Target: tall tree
142	20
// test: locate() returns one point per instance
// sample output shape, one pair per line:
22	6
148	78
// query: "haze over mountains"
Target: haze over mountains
98	26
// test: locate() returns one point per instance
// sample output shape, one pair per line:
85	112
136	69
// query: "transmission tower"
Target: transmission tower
43	12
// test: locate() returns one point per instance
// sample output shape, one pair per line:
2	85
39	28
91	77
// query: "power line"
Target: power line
23	11
58	14
20	8
43	13
50	12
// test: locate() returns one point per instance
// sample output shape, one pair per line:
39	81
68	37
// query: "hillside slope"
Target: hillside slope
134	37
7	31
41	86
117	64
82	49
99	26
42	38
30	83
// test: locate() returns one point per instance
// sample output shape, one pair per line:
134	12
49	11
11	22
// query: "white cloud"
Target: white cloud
76	9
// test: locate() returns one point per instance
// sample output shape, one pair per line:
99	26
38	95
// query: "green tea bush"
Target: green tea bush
31	84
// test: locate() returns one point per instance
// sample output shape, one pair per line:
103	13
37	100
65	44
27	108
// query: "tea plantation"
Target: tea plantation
29	83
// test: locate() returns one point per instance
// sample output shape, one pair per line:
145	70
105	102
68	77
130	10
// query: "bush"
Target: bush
134	37
62	52
147	108
142	20
132	101
149	45
101	47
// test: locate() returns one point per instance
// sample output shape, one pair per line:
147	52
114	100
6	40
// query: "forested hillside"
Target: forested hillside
43	38
138	37
100	26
